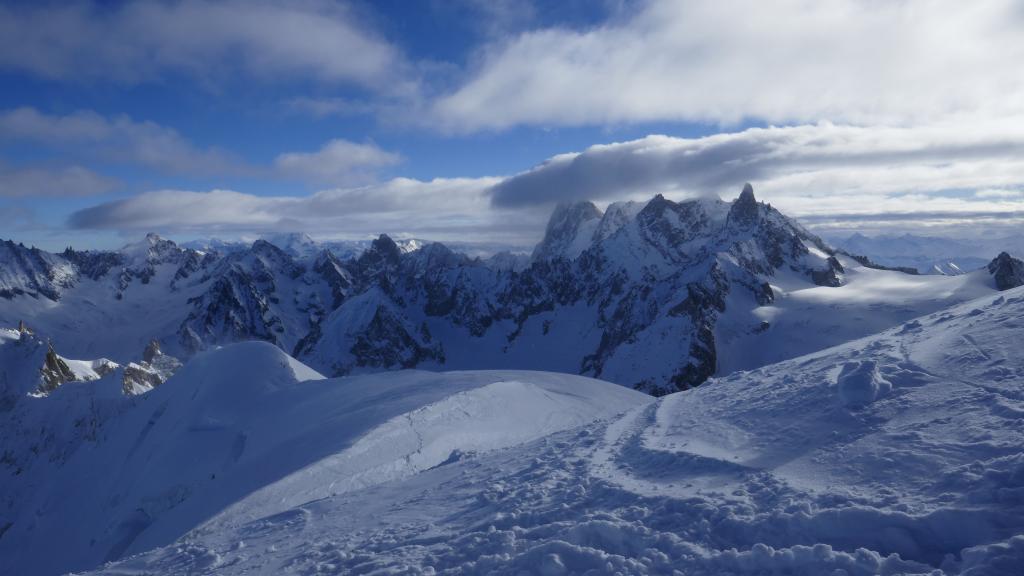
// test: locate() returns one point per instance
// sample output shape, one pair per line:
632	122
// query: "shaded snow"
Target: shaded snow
248	429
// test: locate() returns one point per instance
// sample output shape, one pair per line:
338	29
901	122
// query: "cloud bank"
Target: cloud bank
117	139
442	209
839	166
790	61
52	182
830	176
338	161
143	41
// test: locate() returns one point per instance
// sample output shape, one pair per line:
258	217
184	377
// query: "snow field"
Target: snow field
773	471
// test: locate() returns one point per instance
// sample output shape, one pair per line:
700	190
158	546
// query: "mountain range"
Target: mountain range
896	453
289	406
655	296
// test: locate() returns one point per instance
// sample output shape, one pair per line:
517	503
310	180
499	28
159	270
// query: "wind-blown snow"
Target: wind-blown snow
900	453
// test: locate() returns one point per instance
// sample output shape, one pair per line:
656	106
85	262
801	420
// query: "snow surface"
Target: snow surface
249	429
899	453
805	319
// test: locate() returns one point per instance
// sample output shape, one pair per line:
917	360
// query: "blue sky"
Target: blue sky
468	119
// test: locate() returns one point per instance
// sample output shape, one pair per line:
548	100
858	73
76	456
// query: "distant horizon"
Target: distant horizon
486	246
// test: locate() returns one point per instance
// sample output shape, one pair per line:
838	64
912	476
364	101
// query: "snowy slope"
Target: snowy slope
900	453
250	429
805	319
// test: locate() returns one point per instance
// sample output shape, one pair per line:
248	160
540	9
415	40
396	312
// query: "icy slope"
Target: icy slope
249	419
901	453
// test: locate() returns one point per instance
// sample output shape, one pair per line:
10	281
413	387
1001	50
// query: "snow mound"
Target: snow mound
245	432
860	384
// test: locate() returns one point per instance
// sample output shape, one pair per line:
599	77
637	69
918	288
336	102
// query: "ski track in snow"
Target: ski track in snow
762	472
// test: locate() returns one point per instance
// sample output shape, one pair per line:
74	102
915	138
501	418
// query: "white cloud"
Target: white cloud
822	173
140	41
117	139
337	162
35	182
441	209
999	193
830	176
792	61
821	160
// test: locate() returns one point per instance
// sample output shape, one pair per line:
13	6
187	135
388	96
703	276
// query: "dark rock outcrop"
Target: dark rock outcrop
1007	271
54	372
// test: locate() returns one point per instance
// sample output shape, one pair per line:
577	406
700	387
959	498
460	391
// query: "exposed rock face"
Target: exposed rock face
569	230
139	378
867	262
1007	271
33	272
637	303
155	369
54	372
830	275
333	272
152	351
745	210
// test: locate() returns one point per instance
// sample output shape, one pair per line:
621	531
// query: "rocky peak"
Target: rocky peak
334	273
265	248
382	253
387	247
670	227
617	215
141	259
155	368
1007	271
54	371
744	209
153	248
152	351
570	230
33	272
327	260
437	256
265	260
297	244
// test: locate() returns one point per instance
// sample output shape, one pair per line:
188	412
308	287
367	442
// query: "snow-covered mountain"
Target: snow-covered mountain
656	296
301	246
894	453
899	453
